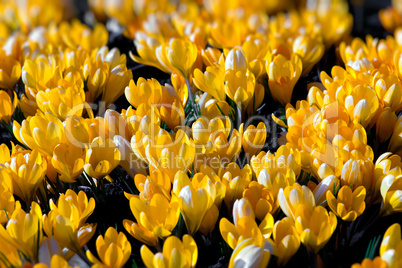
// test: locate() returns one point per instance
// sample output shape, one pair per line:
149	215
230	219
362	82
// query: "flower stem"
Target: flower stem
83	256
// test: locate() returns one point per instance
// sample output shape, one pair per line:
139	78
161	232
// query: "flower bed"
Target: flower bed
200	133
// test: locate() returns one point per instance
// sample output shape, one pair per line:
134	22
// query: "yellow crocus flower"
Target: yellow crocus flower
55	261
396	138
347	205
204	130
377	262
352	143
333	20
257	99
76	34
170	153
96	73
116	125
106	74
316	97
7	106
210	109
68	160
7	202
397	59
61	102
146	48
236	180
251	252
28	103
390	17
82	131
253	139
207	180
119	78
362	104
211	182
175	253
244	225
391	246
128	160
113	249
209	221
359	49
236	60
24	231
10	70
10	251
101	158
388	88
66	220
5	154
42	132
141	118
357	173
255	48
228	150
41	13
211	81
180	86
390	191
227	32
261	199
162	57
300	124
26	183
79	202
112	57
140	140
309	50
286	238
286	160
386	164
274	181
41	73
315	226
140	233
159	215
172	114
293	197
72	62
144	91
182	55
210	56
194	202
282	76
177	92
328	184
240	86
157	182
385	124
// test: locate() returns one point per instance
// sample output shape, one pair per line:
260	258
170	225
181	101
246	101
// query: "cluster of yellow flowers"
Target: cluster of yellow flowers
391	17
330	127
192	148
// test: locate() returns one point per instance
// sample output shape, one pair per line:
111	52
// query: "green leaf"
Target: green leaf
372	247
